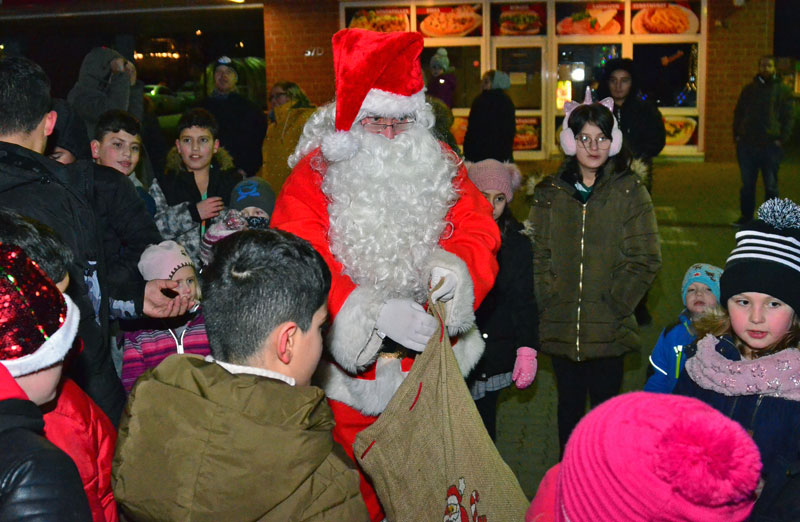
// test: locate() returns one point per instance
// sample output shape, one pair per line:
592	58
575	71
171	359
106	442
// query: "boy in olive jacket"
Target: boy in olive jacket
241	434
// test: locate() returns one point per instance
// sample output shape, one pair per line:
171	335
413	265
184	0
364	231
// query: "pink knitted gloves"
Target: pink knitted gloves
524	367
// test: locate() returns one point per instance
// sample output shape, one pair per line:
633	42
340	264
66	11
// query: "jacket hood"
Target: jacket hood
96	67
9	389
615	65
230	436
567	172
222	160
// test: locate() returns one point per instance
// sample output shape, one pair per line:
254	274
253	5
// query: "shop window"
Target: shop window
580	66
465	63
667	73
524	68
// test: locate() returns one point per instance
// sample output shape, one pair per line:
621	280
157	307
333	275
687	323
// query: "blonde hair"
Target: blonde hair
716	321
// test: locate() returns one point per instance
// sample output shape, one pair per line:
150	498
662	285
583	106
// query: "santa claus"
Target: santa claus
393	213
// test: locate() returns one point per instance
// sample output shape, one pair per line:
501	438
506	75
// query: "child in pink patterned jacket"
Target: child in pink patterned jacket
146	347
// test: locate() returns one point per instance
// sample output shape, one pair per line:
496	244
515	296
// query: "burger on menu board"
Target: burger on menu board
520	22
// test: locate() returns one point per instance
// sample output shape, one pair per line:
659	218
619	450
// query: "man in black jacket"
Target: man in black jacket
762	124
640	121
42	189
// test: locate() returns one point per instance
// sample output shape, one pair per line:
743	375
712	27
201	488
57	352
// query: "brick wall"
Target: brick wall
292	28
737	38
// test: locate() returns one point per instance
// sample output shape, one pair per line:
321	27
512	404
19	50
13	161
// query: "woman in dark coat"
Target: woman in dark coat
492	125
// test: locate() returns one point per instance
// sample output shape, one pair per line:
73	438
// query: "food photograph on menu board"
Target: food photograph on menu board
527	137
664	18
383	20
594	18
459	129
519	19
680	130
450	21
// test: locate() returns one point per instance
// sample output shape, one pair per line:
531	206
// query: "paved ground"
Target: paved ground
695	202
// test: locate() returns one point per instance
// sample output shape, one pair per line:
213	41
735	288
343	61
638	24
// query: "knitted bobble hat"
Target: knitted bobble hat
766	258
161	261
649	456
37	322
253	192
704	273
491	174
230	223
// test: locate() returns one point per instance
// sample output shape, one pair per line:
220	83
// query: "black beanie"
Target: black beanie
70	131
766	258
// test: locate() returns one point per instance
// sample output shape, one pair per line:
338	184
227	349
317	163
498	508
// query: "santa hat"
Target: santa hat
37	322
161	261
766	258
378	73
651	456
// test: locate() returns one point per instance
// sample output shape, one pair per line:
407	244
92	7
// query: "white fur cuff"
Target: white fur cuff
353	340
468	350
460	314
370	397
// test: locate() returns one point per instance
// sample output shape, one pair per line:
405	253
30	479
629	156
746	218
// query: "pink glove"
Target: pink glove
524	367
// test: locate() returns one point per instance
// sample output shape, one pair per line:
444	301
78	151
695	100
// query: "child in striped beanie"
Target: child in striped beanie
746	362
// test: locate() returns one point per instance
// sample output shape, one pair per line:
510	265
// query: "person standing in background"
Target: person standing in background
492	122
762	124
242	125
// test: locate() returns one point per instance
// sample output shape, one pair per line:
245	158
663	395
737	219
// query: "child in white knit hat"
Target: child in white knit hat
146	347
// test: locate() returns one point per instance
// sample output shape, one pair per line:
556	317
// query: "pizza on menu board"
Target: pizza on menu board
593	19
438	22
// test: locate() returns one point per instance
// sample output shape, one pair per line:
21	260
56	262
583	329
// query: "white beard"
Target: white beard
387	210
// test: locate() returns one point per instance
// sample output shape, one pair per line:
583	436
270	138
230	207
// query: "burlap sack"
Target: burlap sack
428	454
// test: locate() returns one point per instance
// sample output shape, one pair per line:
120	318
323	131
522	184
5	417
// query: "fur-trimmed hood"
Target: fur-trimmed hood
222	160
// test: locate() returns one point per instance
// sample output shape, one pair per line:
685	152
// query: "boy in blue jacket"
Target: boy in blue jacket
700	291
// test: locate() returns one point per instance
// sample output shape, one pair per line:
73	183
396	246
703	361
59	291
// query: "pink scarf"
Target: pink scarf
776	375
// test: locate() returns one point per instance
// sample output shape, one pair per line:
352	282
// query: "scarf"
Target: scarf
776	375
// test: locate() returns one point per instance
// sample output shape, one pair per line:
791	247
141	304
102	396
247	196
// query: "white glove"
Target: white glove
449	281
407	323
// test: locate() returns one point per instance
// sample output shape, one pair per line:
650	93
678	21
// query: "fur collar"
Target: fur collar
222	160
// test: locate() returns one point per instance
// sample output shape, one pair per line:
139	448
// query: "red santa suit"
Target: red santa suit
380	74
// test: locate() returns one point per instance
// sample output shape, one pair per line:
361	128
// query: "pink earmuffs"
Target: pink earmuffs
567	137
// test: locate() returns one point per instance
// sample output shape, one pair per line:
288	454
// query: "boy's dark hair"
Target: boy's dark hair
115	121
198	118
39	242
258	280
24	95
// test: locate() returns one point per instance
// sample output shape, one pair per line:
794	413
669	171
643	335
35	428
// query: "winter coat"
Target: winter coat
491	127
176	197
79	427
242	127
592	262
98	90
38	481
642	127
282	137
144	349
773	422
764	113
508	317
668	358
443	87
199	443
61	198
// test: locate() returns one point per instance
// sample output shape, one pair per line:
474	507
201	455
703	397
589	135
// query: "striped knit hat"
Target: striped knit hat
766	258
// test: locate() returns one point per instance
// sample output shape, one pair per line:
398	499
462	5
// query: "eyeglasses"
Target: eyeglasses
377	127
276	95
601	142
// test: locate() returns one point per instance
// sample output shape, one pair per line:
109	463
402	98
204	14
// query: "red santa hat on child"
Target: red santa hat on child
378	73
37	322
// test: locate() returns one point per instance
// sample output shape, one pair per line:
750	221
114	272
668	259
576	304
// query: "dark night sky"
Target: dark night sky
787	20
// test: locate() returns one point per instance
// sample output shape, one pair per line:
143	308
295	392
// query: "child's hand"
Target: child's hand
524	367
130	70
210	208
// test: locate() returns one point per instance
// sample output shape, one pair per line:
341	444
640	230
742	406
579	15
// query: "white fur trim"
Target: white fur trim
370	397
460	313
468	349
353	340
390	105
339	146
53	350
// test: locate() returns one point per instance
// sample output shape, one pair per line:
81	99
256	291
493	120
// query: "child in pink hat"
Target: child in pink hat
647	456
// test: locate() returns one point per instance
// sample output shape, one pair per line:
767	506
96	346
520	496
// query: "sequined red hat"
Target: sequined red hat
37	322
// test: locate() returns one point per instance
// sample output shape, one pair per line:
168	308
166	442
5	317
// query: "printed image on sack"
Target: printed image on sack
455	512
